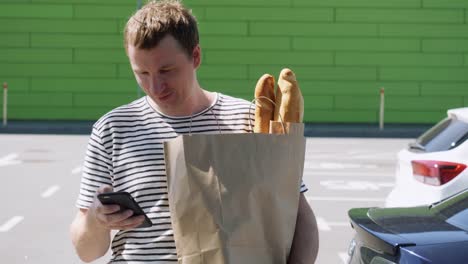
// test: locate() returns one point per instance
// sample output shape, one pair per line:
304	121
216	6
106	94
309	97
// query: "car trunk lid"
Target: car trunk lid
387	229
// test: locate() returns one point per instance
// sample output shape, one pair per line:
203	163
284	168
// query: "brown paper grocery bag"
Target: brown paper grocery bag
234	198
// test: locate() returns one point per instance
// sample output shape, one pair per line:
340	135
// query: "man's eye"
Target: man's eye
165	70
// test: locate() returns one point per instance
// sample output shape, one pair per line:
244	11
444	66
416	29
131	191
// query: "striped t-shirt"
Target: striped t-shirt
125	151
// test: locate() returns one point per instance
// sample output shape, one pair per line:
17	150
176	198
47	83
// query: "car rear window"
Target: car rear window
447	134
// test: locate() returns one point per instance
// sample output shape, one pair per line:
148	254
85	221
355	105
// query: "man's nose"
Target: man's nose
157	84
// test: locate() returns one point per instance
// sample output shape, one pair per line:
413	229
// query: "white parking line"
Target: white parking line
50	191
344	257
76	170
324	225
344	199
11	223
345	173
339	166
10	159
355	185
339	224
386	184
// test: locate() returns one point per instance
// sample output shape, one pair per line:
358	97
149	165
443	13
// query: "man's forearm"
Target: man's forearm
91	242
305	244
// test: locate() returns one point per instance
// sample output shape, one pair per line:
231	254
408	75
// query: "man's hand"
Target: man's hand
111	216
91	228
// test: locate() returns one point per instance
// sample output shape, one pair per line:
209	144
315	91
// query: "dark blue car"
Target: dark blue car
437	233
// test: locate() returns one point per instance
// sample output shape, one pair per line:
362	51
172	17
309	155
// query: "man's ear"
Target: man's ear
196	55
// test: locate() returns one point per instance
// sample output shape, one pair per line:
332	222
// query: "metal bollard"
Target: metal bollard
382	108
5	102
138	7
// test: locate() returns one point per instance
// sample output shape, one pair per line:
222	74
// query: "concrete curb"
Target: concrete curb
48	127
365	130
311	129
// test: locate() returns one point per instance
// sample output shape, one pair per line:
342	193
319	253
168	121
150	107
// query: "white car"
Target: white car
433	167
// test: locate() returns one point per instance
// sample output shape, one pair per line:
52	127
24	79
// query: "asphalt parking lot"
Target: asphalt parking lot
41	174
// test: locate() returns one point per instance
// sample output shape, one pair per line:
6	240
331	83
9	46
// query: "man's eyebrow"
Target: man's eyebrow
168	65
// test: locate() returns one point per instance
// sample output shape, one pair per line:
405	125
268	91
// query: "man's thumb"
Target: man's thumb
104	189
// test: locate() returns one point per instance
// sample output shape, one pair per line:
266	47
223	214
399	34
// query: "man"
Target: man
125	151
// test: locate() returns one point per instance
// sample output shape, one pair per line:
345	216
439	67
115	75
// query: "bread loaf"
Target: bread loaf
264	109
289	100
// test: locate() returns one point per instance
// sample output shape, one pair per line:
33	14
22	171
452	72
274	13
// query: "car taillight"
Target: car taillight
434	172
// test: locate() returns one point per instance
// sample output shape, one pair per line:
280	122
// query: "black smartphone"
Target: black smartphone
126	201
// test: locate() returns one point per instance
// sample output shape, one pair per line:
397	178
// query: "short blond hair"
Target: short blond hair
156	19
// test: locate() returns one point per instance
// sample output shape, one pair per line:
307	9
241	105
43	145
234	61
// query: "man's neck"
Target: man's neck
196	103
200	101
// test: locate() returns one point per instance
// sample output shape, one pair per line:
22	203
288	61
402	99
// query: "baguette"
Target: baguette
289	100
264	109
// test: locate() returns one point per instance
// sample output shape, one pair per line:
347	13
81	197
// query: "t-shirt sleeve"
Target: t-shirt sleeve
96	170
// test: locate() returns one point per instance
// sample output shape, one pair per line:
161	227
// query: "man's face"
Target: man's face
167	75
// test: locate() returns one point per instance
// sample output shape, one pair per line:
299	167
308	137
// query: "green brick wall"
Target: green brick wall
63	59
